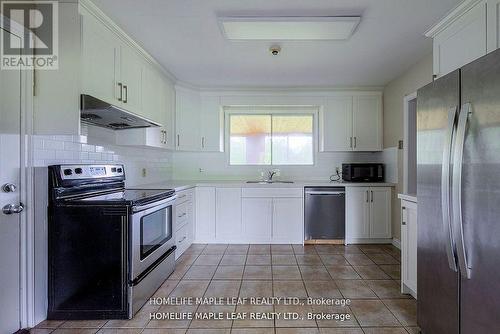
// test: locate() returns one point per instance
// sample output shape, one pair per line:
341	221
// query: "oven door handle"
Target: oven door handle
152	267
154	204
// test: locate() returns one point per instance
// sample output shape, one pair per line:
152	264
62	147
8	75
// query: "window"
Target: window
270	137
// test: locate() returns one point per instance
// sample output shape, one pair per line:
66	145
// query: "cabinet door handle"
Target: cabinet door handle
367	196
125	88
182	239
355	142
350	145
202	142
178	140
403	222
120	86
372	195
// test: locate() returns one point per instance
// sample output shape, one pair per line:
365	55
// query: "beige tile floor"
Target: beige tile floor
367	275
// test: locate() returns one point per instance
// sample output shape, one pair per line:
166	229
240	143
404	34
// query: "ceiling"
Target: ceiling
184	36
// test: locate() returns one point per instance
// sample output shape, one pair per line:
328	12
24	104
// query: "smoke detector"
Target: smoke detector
275	50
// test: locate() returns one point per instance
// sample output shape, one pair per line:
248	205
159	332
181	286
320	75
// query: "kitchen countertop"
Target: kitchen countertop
180	185
408	197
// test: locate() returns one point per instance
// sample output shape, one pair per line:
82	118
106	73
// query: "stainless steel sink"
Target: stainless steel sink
269	182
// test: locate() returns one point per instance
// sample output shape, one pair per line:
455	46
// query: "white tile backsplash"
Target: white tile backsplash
51	150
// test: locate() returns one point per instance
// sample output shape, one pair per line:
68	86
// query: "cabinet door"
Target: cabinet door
493	20
367	123
404	245
462	42
130	77
357	213
257	216
380	212
168	93
228	214
187	119
205	214
210	124
151	90
335	121
288	220
100	58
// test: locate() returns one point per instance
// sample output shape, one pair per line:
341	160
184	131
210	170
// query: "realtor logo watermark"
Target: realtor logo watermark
38	46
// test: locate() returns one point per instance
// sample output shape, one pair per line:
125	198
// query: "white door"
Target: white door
380	212
10	187
357	213
257	215
228	214
336	124
367	123
288	220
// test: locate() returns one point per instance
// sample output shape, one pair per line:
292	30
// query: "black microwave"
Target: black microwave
365	172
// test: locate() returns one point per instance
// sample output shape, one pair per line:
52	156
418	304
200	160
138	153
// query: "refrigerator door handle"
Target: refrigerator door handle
445	188
457	190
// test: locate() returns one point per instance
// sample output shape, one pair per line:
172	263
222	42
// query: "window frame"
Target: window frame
282	110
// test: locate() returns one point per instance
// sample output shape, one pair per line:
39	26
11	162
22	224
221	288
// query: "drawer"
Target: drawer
181	214
181	240
272	192
184	196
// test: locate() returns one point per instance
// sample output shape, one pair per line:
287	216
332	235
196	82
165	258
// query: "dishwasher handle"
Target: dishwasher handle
337	193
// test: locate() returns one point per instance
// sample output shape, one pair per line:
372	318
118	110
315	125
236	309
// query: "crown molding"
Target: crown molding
451	17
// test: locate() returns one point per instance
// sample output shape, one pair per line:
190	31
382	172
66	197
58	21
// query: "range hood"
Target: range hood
103	114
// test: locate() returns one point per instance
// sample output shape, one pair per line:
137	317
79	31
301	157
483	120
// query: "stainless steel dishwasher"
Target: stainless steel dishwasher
324	213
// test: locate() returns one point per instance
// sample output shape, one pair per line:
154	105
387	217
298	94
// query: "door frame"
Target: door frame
406	111
27	238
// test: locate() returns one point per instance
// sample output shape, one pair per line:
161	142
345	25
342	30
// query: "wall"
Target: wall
415	77
97	145
215	166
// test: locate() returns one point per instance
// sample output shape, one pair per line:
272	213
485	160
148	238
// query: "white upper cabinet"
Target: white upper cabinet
187	119
131	65
211	126
367	123
467	33
493	20
100	61
336	124
351	123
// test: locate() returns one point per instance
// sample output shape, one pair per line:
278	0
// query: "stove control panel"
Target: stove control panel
79	172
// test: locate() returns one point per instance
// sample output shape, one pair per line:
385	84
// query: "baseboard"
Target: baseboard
325	242
396	243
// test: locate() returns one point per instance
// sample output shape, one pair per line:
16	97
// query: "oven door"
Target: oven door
152	234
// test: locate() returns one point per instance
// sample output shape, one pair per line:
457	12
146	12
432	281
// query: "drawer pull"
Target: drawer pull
180	216
182	239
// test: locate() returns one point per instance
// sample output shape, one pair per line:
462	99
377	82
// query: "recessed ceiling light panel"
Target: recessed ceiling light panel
289	28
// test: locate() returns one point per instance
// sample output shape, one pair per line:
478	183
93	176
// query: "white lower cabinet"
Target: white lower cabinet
257	216
288	220
368	214
409	247
205	214
184	218
228	214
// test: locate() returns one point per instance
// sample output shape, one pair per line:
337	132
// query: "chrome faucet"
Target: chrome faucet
271	174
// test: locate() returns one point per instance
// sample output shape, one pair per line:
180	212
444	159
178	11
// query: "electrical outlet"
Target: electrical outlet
144	172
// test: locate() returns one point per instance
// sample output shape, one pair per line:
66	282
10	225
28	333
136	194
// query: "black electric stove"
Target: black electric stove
110	247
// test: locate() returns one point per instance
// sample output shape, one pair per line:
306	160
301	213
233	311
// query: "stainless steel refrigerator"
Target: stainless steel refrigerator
458	190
